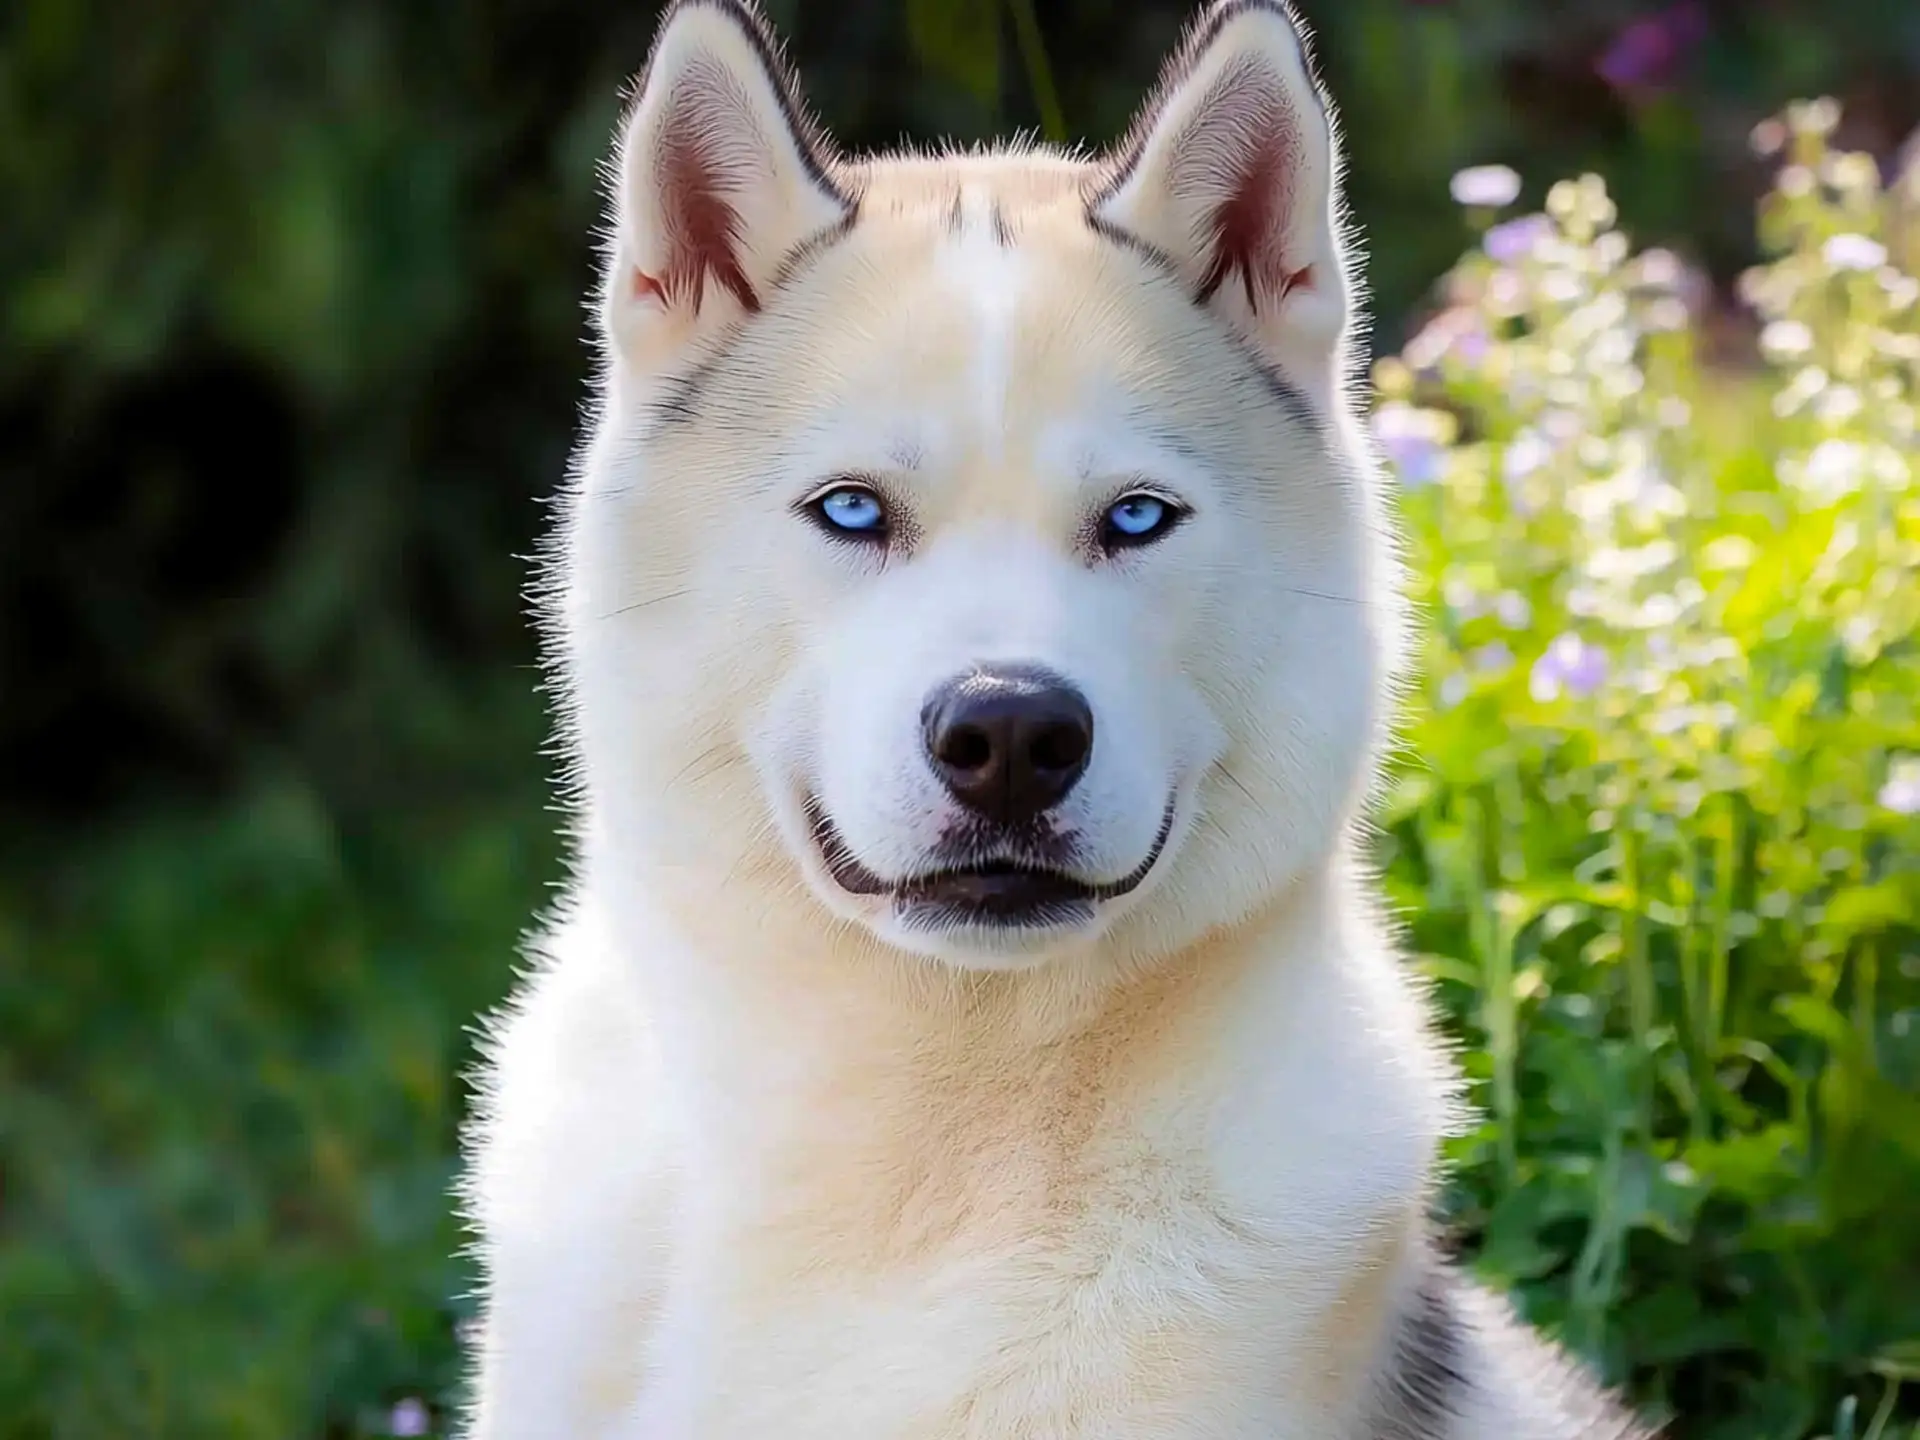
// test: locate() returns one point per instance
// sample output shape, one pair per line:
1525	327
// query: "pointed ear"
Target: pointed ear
1230	172
721	175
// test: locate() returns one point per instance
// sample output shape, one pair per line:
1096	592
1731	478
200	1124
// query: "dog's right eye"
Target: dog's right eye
848	511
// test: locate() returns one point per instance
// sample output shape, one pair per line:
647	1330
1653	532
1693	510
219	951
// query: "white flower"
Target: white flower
1526	453
1901	793
1563	288
1667	315
1673	412
1814	117
1490	186
1661	269
1461	597
1838	404
1794	396
1854	252
1659	611
1835	468
1785	340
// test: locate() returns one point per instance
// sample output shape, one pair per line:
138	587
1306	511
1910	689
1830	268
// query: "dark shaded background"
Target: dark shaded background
291	341
293	327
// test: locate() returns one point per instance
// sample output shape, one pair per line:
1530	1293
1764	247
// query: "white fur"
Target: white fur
752	1157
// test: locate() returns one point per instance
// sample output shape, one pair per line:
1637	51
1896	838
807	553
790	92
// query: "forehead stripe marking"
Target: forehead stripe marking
989	277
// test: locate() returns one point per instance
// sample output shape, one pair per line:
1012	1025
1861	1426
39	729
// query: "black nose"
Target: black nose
1010	741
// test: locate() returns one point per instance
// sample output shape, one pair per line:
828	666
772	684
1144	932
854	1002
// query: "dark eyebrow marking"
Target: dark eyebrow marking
681	396
1289	398
1002	229
1280	390
811	248
678	402
1144	249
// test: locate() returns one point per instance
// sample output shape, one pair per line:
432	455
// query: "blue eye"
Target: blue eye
851	510
1138	519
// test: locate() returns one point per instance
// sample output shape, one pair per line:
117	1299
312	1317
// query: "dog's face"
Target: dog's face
981	542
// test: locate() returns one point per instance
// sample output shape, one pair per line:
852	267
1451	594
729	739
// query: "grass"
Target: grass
229	1097
1657	840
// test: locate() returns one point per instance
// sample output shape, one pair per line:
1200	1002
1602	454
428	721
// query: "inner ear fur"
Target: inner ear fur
722	173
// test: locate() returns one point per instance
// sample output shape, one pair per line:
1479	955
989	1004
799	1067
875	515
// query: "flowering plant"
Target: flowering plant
1659	830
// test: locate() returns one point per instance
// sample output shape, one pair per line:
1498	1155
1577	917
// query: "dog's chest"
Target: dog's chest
1159	1318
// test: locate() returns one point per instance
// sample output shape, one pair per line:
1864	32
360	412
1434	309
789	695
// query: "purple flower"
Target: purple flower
1649	51
1514	611
409	1418
1458	331
1406	435
1569	666
1512	241
1417	460
1901	793
1491	658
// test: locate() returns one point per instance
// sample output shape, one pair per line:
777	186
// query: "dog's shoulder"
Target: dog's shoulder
1462	1366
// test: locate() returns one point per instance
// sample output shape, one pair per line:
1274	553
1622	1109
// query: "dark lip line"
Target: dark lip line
856	879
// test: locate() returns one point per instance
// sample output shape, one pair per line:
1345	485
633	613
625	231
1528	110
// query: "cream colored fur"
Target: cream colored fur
754	1157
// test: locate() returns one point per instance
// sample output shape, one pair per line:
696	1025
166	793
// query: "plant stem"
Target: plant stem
1726	860
1639	969
1033	54
1494	944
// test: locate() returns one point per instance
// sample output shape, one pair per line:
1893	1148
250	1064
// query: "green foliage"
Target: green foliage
1662	845
228	1101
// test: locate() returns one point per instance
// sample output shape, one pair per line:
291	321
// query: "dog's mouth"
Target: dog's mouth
1011	891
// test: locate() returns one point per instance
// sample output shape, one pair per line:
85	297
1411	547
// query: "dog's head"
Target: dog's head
981	543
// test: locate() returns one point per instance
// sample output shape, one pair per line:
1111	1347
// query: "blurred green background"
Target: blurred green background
291	348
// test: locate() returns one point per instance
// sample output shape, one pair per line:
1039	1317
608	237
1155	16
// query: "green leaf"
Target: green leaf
1868	909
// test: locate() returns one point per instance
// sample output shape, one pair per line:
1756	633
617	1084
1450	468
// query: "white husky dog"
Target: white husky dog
976	620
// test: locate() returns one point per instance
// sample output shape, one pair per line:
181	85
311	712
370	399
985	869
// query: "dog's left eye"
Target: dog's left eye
852	511
1138	519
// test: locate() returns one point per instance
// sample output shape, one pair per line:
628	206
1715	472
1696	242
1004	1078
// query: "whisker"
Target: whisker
1321	595
643	604
1236	782
712	752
